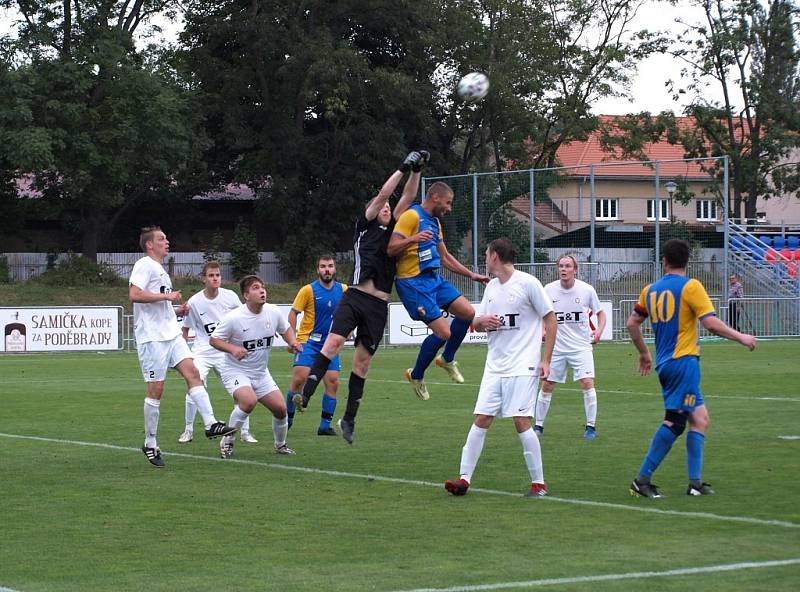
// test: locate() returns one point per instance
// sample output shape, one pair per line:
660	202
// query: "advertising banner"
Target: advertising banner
65	328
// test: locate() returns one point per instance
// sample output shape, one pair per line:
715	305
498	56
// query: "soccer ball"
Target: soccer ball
473	87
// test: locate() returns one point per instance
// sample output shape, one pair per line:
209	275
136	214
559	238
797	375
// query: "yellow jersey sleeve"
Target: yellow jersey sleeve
641	306
408	224
304	298
697	299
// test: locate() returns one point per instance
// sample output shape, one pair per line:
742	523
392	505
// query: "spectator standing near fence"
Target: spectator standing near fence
735	290
159	343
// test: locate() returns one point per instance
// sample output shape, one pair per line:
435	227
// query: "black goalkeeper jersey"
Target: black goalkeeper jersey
371	260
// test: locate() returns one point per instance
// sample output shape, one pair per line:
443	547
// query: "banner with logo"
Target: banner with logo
66	328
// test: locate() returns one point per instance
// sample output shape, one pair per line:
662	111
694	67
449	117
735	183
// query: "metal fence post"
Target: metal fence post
475	287
593	212
726	222
532	205
658	221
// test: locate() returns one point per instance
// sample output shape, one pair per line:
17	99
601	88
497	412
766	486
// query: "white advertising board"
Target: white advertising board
66	328
405	331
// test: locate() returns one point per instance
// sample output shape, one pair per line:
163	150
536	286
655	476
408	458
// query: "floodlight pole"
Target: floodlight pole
658	220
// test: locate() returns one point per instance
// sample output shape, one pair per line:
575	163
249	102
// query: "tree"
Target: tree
747	49
105	125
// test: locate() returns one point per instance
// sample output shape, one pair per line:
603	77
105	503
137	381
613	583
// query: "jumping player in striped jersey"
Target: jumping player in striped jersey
674	304
316	301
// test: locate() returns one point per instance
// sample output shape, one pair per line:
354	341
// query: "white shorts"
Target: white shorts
262	383
205	363
156	357
506	396
581	362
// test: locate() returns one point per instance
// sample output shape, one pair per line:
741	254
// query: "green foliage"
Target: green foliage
244	251
212	250
96	124
76	270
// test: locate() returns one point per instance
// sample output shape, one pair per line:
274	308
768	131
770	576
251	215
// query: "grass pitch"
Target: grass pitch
83	510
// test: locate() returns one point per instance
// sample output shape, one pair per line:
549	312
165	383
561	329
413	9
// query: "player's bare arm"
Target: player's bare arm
487	323
634	326
292	345
136	294
236	351
411	188
550	325
601	325
720	329
453	264
377	203
398	242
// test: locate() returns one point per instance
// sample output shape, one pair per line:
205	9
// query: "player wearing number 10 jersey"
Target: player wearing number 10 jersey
674	305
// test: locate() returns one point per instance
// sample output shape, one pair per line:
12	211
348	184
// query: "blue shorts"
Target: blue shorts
425	295
309	353
680	383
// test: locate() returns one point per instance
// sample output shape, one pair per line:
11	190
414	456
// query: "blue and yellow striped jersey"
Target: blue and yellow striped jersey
418	257
674	304
317	304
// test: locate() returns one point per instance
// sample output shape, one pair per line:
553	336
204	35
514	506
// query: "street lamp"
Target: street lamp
671	187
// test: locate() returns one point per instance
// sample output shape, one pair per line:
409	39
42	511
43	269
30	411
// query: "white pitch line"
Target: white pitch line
789	437
611	577
648	509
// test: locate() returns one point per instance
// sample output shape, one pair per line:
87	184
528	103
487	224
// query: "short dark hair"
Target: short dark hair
326	257
249	280
676	252
504	249
439	187
147	233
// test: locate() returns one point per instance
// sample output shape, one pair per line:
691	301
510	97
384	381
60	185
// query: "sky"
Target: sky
647	91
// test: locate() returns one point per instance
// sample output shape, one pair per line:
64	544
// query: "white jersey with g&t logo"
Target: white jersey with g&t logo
253	332
520	302
153	321
204	316
572	308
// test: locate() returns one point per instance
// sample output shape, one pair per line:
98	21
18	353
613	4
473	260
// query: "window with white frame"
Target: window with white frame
706	210
663	205
605	209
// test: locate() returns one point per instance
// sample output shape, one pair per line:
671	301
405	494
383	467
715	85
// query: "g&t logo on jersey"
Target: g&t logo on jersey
508	322
568	317
254	344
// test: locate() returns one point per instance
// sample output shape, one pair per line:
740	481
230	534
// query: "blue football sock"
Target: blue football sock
290	407
695	442
427	351
328	409
659	447
458	330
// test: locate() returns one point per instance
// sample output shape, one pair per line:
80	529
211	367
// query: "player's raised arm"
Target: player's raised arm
377	203
453	264
411	188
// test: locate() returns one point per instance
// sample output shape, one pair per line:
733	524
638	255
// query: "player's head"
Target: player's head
675	253
153	241
326	267
567	268
253	289
211	274
499	252
385	215
439	199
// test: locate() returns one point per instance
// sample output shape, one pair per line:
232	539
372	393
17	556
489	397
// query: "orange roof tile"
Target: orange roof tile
580	154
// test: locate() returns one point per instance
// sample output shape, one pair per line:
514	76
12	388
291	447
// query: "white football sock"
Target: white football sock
238	417
245	429
532	452
152	409
190	410
590	404
472	451
279	429
199	395
542	407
